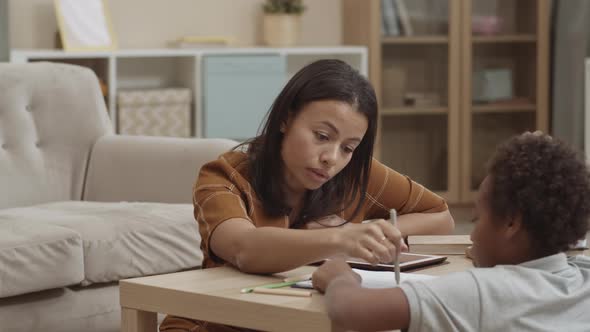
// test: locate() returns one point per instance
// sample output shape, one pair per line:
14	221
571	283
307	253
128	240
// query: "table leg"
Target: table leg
133	320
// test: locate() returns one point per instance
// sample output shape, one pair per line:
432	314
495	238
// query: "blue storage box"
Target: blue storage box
238	91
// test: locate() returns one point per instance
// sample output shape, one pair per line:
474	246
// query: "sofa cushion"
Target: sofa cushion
51	116
35	256
69	309
123	240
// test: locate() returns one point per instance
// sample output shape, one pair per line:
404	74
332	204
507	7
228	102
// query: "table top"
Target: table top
215	295
210	294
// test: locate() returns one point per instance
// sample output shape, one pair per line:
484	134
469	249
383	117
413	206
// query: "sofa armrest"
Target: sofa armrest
148	169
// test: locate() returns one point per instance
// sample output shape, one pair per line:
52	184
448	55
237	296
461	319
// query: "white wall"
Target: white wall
151	23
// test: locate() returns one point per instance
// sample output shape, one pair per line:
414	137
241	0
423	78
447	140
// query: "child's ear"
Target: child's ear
513	225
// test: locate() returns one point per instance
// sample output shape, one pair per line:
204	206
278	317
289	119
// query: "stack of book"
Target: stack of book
439	244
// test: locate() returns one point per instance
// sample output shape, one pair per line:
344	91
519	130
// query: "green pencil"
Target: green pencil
276	285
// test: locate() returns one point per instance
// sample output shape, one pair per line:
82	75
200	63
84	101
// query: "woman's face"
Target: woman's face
319	142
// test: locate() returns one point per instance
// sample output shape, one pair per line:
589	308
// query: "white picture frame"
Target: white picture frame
84	25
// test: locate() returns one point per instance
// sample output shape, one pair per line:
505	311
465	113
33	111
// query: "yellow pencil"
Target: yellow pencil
280	291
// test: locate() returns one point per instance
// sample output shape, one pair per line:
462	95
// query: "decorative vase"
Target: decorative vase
281	30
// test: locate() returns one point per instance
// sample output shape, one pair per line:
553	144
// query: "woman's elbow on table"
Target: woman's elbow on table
447	224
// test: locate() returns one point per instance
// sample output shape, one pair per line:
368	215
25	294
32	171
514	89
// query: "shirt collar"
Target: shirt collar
553	263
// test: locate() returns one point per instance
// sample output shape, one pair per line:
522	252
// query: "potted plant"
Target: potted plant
281	22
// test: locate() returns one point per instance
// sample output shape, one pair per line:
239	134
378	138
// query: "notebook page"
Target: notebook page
377	279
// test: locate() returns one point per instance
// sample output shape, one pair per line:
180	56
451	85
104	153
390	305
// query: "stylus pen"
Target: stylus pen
393	220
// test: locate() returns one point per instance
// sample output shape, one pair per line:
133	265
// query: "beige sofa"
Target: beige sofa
81	207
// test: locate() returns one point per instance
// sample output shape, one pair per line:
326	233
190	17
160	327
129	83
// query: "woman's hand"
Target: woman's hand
374	242
330	270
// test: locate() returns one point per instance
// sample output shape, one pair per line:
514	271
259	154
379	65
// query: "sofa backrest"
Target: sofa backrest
148	169
50	117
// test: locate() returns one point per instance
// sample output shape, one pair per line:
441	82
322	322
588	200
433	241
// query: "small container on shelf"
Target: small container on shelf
422	99
492	84
155	112
486	25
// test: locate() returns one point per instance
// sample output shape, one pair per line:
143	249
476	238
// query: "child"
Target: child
534	203
271	208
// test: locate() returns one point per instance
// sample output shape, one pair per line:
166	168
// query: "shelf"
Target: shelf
504	108
416	40
21	55
162	68
518	38
435	110
446	141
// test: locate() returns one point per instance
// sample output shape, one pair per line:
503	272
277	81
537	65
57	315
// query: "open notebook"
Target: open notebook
376	279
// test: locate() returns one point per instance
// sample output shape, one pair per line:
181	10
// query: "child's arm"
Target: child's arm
360	309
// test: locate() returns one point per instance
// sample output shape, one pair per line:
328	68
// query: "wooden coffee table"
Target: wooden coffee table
214	295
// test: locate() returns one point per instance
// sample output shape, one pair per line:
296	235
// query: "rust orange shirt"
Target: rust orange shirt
223	191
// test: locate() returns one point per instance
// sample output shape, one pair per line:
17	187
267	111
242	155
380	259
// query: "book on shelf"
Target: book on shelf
395	18
404	18
439	244
389	19
200	41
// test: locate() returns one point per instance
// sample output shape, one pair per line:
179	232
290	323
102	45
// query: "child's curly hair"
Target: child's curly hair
546	182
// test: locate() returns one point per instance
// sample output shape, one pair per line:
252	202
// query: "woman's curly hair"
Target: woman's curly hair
546	182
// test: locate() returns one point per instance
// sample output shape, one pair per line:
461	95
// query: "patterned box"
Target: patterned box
157	112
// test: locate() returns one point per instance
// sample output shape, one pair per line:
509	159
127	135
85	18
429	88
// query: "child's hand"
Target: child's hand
374	242
469	252
331	270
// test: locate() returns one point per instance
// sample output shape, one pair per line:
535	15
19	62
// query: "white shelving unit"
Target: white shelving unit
163	68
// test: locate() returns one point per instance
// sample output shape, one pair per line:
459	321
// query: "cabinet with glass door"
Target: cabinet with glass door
453	78
505	78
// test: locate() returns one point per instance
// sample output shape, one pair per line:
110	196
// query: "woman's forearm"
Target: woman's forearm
272	250
437	223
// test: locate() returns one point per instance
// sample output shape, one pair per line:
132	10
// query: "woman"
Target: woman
272	206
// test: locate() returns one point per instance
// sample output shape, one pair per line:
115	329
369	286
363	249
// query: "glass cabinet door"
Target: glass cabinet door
506	62
419	91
